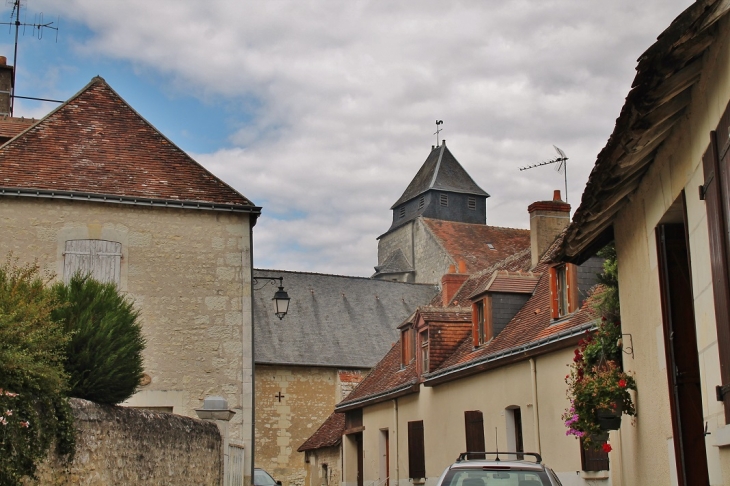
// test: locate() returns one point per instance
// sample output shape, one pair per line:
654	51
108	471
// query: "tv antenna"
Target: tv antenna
37	25
561	168
438	130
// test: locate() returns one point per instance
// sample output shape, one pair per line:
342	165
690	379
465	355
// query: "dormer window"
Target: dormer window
407	346
563	290
424	351
444	199
481	320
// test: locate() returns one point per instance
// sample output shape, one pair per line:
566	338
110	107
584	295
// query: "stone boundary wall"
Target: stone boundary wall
125	446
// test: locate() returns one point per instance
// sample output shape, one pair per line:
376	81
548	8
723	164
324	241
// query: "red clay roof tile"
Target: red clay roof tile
329	434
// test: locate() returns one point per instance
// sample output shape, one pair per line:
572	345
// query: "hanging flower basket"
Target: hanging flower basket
609	419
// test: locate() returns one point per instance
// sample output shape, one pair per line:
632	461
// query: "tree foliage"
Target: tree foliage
104	354
34	411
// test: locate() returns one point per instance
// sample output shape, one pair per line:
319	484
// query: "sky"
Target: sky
323	111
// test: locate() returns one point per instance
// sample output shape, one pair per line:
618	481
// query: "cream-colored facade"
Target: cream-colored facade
536	386
648	455
189	273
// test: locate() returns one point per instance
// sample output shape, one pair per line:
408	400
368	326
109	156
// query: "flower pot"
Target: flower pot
609	419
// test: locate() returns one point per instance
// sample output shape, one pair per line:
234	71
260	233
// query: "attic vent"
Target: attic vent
444	199
490	246
421	202
403	212
471	203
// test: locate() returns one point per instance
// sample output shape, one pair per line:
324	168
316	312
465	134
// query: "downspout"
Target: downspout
535	411
397	449
253	362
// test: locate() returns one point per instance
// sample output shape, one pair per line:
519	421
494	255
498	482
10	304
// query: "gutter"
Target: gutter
407	389
138	201
510	355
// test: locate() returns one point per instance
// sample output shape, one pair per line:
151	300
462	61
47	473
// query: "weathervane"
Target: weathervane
562	167
438	130
38	25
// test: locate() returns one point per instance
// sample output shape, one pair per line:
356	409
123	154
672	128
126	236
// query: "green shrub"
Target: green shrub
104	355
34	411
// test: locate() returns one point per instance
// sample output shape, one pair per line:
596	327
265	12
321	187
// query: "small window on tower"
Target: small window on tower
471	203
403	212
444	199
421	202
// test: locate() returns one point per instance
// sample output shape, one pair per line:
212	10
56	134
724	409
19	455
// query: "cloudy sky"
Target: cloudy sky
322	111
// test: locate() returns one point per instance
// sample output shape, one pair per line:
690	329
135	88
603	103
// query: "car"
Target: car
262	478
498	469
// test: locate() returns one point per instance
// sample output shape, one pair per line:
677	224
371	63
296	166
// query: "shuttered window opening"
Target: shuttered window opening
100	259
564	297
402	211
444	199
421	202
474	427
471	203
416	450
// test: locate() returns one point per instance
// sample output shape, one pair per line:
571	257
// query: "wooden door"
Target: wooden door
358	441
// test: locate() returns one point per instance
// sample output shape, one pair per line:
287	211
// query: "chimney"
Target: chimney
452	282
6	85
547	220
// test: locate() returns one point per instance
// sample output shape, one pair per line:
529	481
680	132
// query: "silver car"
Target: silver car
498	469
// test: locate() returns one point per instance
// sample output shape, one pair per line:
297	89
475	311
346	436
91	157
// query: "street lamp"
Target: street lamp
281	298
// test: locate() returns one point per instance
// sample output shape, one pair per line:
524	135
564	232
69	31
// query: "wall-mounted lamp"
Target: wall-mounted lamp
281	298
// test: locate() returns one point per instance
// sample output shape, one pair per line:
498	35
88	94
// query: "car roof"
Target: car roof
479	464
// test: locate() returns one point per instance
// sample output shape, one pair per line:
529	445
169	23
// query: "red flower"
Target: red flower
622	383
607	447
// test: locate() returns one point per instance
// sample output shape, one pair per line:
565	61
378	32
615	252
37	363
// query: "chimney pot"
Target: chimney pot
443	142
462	266
433	147
452	269
3	60
547	220
556	195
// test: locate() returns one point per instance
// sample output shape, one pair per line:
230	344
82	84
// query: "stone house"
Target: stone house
481	368
660	189
94	187
336	329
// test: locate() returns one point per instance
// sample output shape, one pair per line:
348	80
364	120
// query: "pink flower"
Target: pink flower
24	424
8	412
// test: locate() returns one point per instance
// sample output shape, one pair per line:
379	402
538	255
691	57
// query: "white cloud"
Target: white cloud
348	93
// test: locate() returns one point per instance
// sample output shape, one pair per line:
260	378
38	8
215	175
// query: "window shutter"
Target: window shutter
554	304
416	450
571	274
592	459
474	425
717	226
100	259
475	323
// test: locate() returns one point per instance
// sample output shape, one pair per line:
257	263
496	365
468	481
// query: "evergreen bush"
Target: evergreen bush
104	354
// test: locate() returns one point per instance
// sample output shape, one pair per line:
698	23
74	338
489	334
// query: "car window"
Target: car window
262	478
505	477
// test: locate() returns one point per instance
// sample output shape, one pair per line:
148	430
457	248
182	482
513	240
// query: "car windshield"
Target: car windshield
509	476
262	478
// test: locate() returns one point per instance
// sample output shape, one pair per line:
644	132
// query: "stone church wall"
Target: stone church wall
399	238
291	403
432	261
123	446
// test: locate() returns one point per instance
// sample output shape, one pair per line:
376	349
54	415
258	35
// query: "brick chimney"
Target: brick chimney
452	282
6	84
547	220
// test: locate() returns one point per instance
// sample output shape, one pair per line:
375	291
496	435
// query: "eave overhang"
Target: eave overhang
564	339
658	100
403	390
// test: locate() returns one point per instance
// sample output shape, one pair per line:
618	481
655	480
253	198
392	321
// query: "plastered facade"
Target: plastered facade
442	410
188	272
291	403
647	452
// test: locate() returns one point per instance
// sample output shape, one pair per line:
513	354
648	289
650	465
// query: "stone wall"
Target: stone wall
120	445
324	467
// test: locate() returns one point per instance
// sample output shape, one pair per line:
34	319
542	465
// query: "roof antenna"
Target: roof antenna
496	444
438	130
38	25
561	168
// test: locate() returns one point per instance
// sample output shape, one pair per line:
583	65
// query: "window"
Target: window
474	427
444	199
482	321
402	211
421	202
424	351
407	354
416	450
563	290
99	258
471	203
592	459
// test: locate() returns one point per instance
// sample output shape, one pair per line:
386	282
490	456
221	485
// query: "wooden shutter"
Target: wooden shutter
416	450
474	426
592	459
554	297
716	200
100	259
475	323
571	277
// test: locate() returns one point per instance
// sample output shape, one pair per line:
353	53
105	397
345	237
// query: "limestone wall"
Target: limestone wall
122	446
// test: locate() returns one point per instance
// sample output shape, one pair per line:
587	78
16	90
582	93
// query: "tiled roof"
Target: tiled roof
510	282
396	262
443	172
333	320
445	337
470	242
95	143
12	126
329	434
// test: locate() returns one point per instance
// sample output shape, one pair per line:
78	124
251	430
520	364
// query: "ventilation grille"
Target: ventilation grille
444	199
402	211
421	202
471	203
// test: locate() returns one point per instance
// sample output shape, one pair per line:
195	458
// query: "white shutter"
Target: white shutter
99	258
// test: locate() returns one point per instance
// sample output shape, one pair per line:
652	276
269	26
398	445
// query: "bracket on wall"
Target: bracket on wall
627	349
